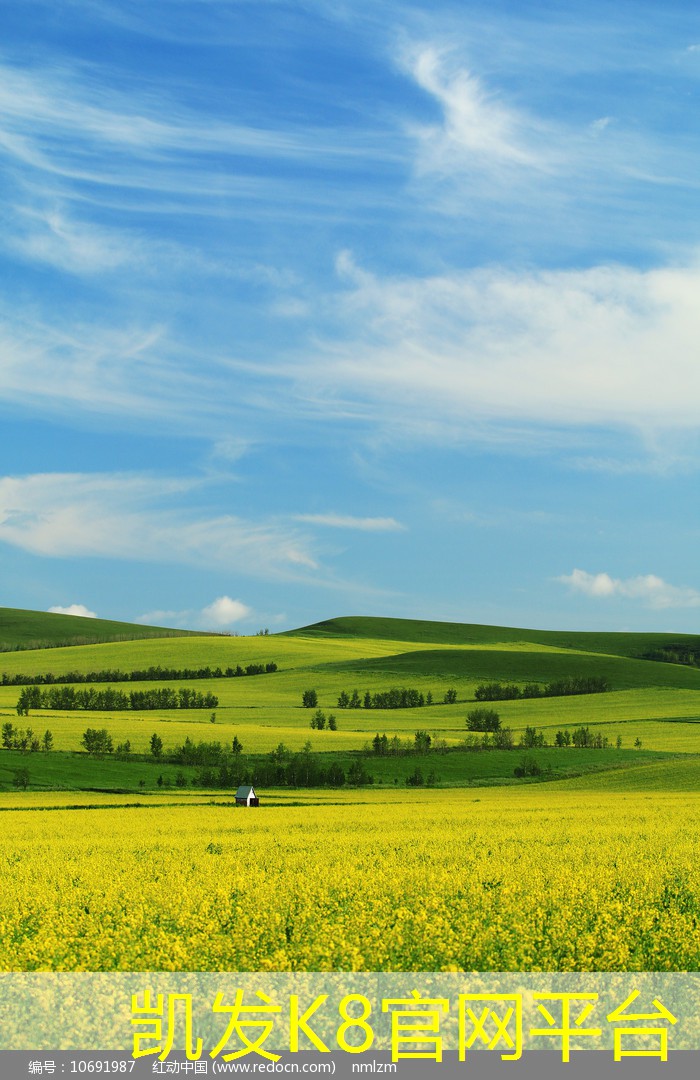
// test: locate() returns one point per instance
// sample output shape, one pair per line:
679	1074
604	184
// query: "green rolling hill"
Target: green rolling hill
654	705
43	630
447	633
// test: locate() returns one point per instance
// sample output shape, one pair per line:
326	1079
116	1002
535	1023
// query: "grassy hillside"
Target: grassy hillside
524	664
446	633
42	629
655	704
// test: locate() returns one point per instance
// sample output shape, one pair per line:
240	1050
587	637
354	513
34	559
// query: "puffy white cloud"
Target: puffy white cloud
224	611
221	613
73	609
648	588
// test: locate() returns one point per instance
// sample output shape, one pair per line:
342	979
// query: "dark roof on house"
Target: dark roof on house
244	791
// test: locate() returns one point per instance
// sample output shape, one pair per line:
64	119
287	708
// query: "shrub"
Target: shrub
528	767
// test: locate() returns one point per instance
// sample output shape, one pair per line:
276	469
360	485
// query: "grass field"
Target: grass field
658	703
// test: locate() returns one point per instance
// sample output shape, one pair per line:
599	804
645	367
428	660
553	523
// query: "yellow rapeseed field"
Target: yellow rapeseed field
525	879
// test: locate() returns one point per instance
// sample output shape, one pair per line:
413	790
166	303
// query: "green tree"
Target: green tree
156	746
421	742
358	775
20	778
483	720
8	736
532	738
47	741
415	779
236	746
332	722
97	741
450	697
318	720
309	699
528	766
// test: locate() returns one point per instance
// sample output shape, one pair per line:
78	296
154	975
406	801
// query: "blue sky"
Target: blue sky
320	308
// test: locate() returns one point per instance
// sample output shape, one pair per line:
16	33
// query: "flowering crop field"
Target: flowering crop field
495	879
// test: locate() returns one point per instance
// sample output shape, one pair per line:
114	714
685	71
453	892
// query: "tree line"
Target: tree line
674	654
149	674
220	766
421	743
25	740
580	684
67	698
397	697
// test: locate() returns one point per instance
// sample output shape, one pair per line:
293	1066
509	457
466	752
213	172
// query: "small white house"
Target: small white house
245	796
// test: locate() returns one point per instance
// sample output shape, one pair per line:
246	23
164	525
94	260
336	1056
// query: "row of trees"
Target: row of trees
382	746
397	697
583	736
150	674
688	655
503	739
25	740
220	767
583	684
67	698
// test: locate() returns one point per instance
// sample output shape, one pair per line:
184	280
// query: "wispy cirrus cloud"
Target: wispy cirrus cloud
463	356
546	173
479	130
649	589
138	517
54	238
75	124
129	372
347	521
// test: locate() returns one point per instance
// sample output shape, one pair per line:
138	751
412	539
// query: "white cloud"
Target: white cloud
136	373
134	516
346	521
221	613
74	609
454	354
648	588
52	237
225	612
478	129
74	125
